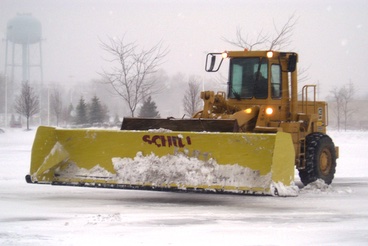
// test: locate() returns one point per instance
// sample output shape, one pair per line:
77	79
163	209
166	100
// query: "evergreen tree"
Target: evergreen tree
81	112
149	109
96	111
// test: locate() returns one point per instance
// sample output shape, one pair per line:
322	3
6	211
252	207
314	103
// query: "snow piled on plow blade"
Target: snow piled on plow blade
182	171
228	162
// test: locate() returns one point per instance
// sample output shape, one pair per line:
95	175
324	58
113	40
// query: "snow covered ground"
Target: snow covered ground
52	215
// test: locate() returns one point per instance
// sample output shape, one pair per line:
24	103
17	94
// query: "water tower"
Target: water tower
24	51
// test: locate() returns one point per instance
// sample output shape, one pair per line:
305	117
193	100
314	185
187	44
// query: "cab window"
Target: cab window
275	81
248	78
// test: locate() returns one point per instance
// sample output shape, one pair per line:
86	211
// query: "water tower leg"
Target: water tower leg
25	64
6	85
41	68
11	87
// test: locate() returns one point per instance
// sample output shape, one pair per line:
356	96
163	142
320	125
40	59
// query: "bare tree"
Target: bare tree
279	40
192	100
246	42
337	99
131	73
27	103
56	104
283	36
342	98
303	75
67	114
2	92
348	93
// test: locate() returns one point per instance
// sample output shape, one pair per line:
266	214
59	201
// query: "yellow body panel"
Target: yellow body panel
258	159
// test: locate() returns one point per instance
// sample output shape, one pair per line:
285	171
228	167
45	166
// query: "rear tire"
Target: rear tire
320	162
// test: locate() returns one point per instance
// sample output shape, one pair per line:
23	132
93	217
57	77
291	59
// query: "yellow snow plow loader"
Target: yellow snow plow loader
249	141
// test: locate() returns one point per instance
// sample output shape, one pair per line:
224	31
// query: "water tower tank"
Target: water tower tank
23	34
24	29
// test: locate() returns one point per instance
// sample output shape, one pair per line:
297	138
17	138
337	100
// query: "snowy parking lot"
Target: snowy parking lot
53	215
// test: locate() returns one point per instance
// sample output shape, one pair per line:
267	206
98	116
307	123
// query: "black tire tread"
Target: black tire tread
314	143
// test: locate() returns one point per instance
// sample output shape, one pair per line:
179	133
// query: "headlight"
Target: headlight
224	54
248	110
269	111
269	54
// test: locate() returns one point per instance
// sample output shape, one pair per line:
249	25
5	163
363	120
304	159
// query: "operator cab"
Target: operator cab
255	75
249	78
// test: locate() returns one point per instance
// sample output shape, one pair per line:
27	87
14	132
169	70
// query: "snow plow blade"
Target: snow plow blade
164	160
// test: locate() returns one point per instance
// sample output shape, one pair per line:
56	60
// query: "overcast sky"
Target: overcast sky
331	37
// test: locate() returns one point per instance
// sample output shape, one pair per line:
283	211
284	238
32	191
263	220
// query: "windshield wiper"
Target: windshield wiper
237	95
258	70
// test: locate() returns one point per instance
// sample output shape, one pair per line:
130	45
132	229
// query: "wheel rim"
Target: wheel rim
325	162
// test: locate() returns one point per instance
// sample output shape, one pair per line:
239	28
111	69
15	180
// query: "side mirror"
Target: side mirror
291	66
211	65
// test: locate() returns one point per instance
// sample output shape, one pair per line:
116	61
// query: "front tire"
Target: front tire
320	162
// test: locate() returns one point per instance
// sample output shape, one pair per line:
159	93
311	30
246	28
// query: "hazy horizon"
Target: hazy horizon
330	36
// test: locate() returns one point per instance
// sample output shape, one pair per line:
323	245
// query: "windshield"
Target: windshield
248	78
